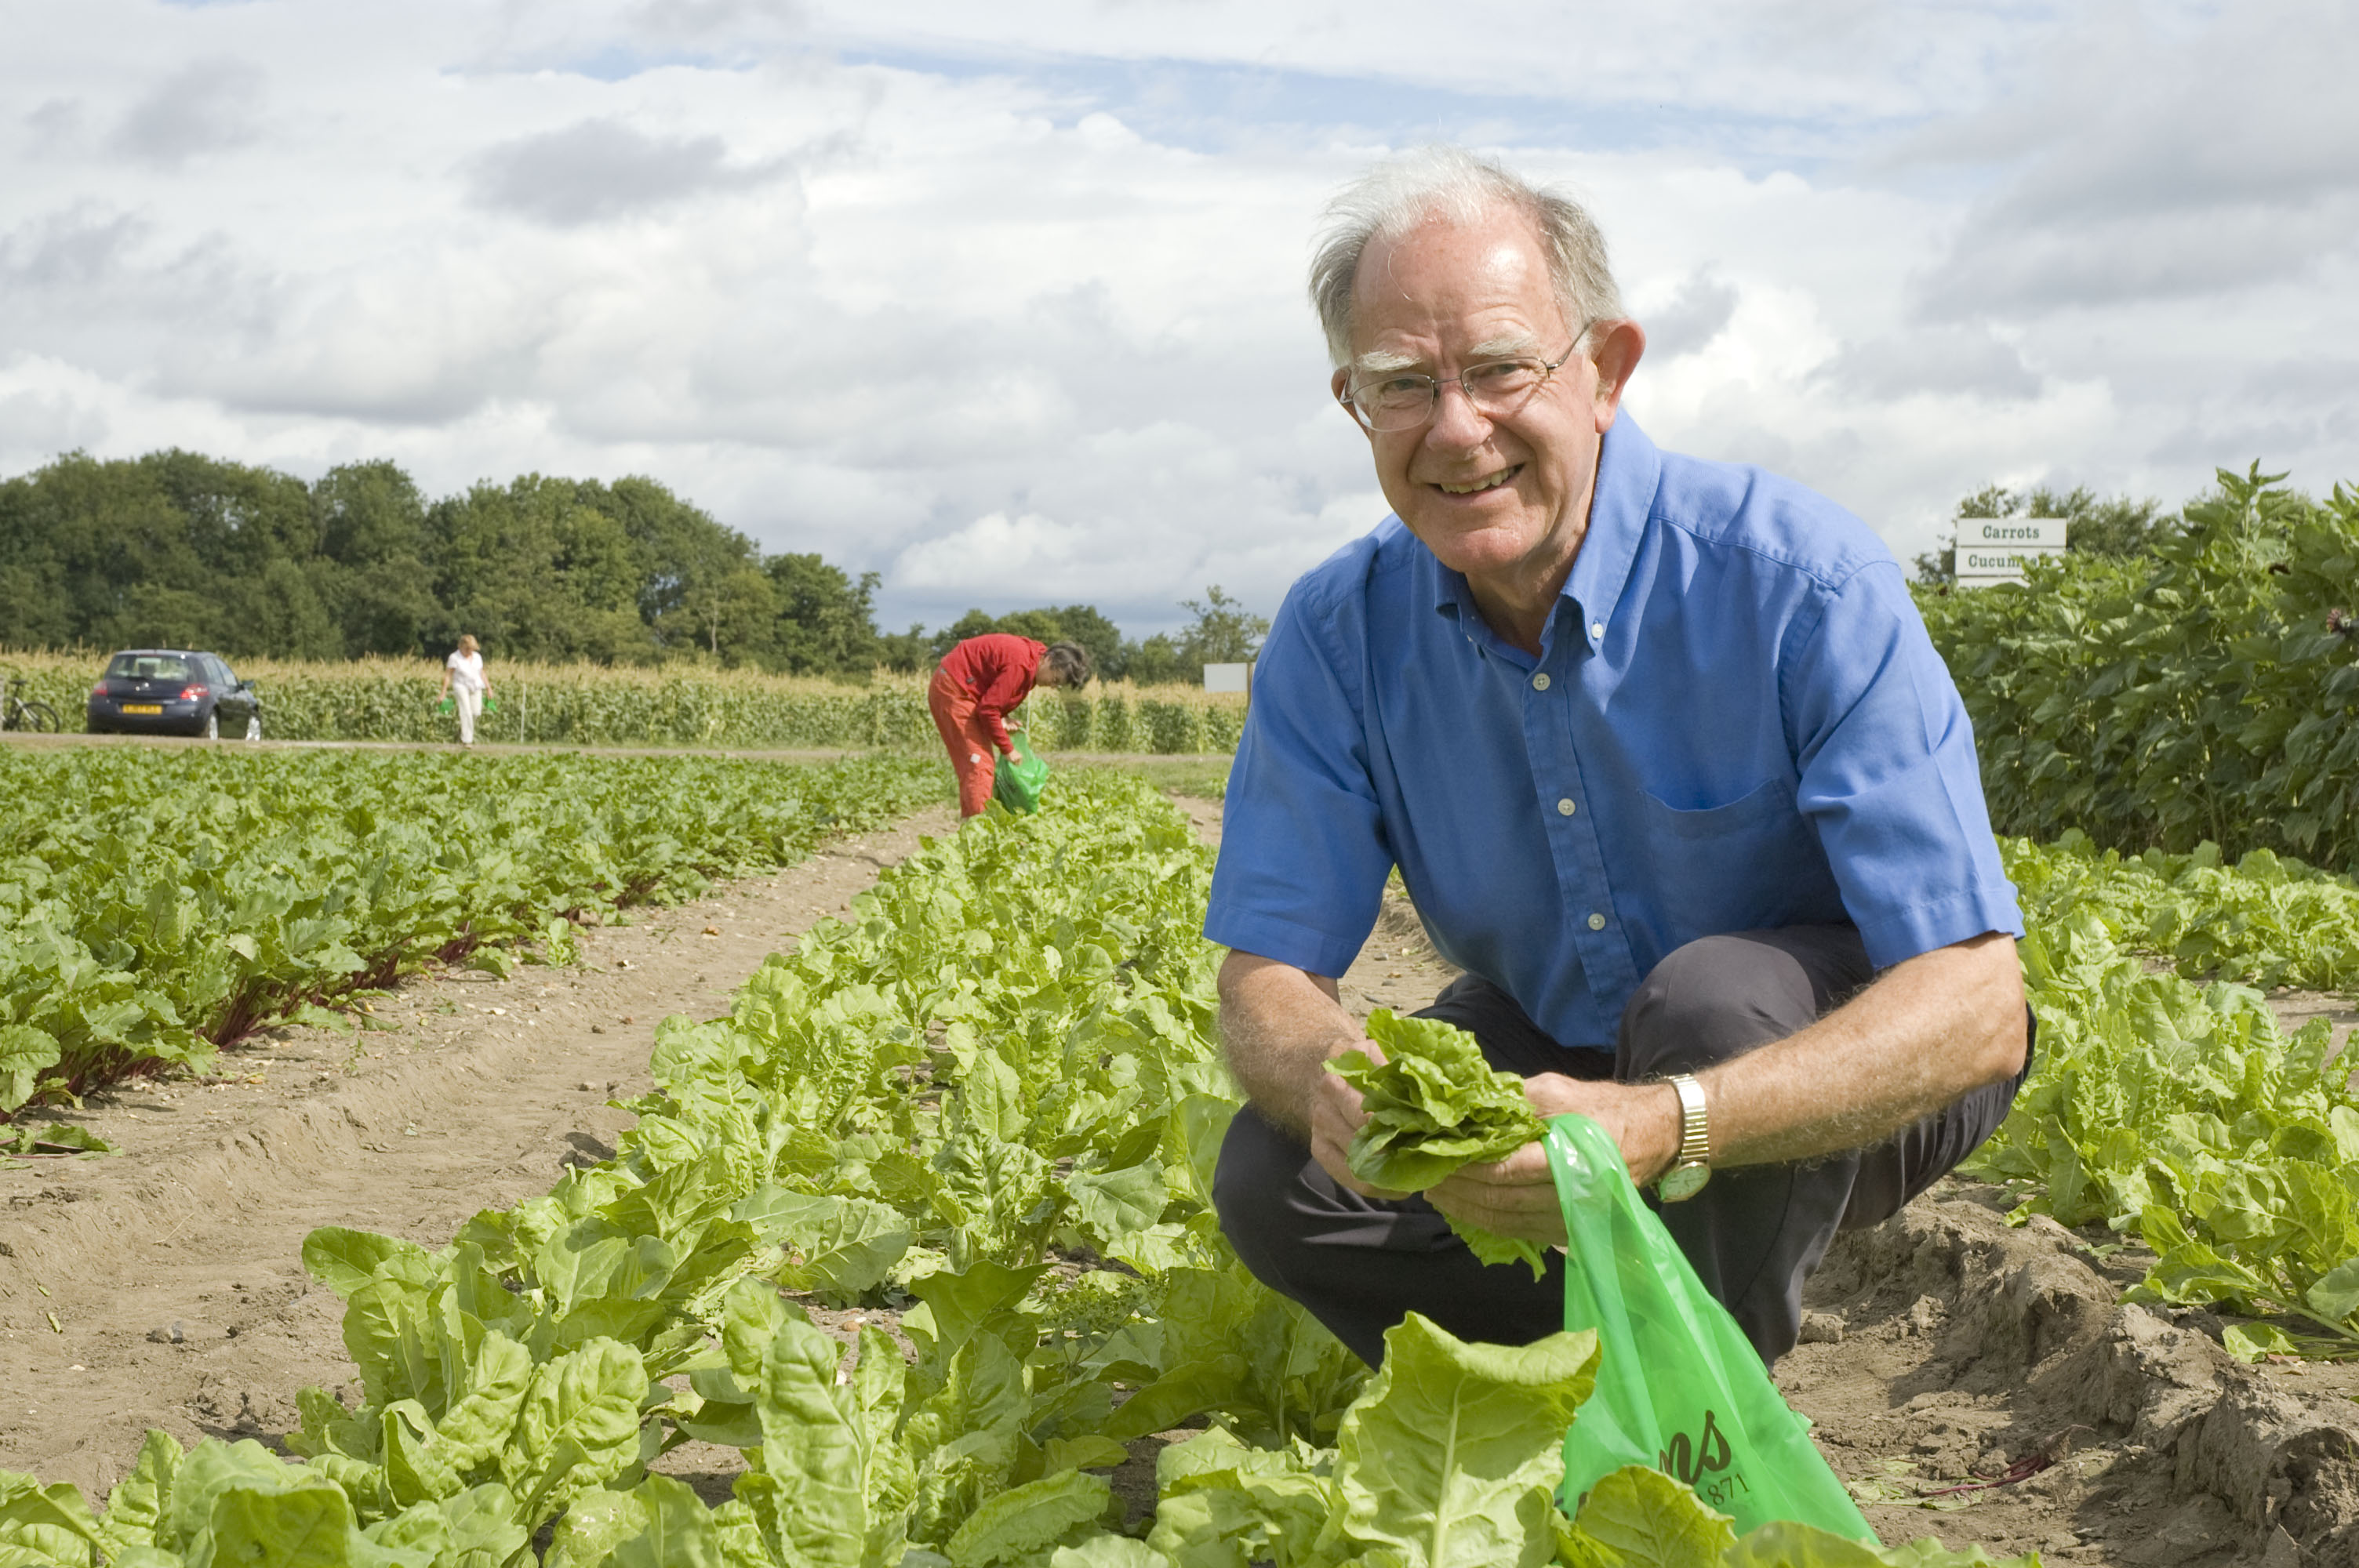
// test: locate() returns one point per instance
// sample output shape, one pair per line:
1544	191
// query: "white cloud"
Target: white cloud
1006	302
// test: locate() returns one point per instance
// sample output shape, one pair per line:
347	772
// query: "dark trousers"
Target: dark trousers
1753	1234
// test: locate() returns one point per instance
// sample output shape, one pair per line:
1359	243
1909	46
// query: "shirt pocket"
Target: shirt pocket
1762	803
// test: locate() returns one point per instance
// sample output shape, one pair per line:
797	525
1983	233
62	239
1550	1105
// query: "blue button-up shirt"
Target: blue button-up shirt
1736	721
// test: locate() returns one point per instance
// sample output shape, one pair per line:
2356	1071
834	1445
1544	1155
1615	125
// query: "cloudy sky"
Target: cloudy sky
1004	301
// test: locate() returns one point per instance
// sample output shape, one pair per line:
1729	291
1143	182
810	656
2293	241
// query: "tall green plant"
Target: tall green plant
2195	695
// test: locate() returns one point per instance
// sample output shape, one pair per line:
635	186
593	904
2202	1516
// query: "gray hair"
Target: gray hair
1460	187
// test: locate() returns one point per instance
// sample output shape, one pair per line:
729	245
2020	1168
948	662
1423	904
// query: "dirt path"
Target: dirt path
164	1286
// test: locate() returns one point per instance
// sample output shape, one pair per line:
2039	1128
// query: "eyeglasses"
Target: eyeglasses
1402	400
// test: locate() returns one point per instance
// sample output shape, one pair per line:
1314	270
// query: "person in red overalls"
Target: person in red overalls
979	682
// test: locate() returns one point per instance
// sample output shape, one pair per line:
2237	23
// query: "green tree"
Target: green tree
1224	630
537	572
907	652
826	623
372	530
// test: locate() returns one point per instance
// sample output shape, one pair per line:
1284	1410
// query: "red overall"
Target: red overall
979	683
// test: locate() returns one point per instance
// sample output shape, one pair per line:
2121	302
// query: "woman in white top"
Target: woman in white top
463	678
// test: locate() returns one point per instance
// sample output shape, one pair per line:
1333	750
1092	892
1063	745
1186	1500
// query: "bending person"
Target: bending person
980	682
1669	767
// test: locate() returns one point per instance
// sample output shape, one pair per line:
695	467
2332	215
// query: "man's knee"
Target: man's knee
1722	996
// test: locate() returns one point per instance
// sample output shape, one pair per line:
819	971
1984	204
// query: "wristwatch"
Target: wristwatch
1692	1169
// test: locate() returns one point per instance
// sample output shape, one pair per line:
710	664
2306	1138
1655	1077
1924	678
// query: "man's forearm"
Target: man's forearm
1931	1028
1279	1026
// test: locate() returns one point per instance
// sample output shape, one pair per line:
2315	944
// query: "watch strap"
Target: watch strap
1695	1121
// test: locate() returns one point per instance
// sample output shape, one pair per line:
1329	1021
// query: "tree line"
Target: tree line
176	549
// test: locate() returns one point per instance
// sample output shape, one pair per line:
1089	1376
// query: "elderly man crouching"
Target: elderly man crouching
1670	770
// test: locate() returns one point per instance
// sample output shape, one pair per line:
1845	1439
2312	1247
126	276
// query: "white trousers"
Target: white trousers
471	703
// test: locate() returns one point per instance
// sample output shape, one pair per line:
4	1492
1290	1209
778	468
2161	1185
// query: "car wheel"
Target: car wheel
253	726
212	726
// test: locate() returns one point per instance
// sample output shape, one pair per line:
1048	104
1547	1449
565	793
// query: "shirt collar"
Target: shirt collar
1629	467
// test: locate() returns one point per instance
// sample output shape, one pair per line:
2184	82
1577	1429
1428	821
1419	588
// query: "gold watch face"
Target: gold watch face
1683	1182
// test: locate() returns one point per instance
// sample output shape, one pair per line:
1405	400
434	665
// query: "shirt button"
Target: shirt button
1540	681
1565	807
1597	922
1597	628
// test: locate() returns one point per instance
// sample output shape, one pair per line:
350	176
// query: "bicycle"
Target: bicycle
28	714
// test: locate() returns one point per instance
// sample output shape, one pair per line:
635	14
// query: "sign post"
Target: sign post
1993	549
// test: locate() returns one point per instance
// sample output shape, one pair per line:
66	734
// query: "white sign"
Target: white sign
1227	677
1993	549
2044	533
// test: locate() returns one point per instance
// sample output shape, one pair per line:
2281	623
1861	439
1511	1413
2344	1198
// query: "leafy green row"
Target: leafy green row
154	903
2266	921
2200	693
1450	1458
2181	1112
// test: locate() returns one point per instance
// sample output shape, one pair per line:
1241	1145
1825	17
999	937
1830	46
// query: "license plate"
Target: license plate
143	707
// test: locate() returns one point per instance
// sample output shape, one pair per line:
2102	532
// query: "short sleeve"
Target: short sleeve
1889	776
1303	856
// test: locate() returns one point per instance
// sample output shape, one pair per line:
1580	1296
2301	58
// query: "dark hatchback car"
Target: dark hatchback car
172	691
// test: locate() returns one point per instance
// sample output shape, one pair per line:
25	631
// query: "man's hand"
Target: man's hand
1337	1114
1517	1197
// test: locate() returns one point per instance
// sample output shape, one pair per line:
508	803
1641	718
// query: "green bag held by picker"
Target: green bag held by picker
1680	1390
1020	777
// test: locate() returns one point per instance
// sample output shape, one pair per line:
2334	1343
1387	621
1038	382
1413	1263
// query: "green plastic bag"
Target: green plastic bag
489	706
447	704
1680	1389
1020	777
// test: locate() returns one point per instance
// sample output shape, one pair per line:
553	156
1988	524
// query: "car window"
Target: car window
223	674
148	667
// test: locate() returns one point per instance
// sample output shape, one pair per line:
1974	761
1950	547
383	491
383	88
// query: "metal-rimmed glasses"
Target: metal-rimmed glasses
1402	400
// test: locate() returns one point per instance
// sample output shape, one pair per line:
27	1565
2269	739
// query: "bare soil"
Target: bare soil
164	1286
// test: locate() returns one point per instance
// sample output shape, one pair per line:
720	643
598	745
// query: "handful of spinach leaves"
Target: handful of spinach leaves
1434	1104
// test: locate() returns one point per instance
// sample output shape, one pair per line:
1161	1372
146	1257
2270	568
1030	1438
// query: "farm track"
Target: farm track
472	1092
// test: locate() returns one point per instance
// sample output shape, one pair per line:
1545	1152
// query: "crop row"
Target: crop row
2208	691
989	1099
2176	1109
592	705
156	904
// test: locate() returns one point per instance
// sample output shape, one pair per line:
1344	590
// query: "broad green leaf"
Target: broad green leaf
52	1521
599	1520
578	1427
1642	1519
139	1501
298	1526
1452	1454
1029	1519
843	1246
2335	1297
677	1533
812	1450
345	1260
1112	1205
26	1053
1108	1552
